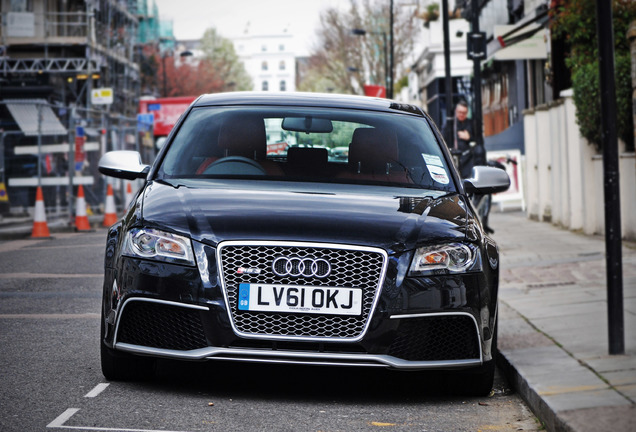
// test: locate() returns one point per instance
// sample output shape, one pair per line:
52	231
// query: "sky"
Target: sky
301	18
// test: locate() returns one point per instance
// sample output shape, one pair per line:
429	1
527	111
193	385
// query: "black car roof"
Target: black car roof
306	99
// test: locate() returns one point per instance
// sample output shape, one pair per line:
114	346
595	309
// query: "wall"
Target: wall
564	174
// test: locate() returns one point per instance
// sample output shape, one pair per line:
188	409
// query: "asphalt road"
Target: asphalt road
50	377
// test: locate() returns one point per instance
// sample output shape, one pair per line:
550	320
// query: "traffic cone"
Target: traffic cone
81	218
40	228
129	194
110	214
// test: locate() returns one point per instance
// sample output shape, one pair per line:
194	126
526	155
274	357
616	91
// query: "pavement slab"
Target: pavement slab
553	326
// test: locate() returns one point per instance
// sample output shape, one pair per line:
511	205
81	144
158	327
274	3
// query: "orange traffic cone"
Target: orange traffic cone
129	194
40	228
110	214
81	219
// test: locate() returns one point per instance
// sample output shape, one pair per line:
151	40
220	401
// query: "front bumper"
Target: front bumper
420	341
172	311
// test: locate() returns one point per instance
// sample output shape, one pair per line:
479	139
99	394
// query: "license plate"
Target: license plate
300	299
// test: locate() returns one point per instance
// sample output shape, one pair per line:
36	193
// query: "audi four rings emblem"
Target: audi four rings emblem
305	267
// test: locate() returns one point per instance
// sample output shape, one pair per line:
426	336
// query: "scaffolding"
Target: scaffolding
54	56
69	48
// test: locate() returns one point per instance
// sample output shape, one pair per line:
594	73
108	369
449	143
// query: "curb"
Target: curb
514	326
546	415
563	393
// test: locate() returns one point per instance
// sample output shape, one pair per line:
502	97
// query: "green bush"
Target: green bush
624	100
575	22
587	99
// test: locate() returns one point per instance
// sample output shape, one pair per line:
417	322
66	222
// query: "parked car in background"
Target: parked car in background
366	258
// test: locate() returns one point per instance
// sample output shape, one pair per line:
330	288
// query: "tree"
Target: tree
219	70
575	22
188	79
344	62
220	57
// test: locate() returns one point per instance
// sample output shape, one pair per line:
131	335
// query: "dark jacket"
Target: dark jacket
466	159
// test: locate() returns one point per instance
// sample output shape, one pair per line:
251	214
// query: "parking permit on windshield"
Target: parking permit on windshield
432	160
436	168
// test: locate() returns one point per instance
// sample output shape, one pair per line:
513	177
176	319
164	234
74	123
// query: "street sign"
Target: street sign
102	96
476	45
145	122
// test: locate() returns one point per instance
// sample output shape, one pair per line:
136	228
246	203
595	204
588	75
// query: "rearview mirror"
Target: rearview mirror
487	180
124	164
307	124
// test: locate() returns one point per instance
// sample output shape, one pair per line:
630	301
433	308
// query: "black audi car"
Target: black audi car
302	229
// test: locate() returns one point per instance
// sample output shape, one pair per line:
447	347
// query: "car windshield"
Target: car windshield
307	144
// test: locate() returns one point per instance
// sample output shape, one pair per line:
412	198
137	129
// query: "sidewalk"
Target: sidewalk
553	333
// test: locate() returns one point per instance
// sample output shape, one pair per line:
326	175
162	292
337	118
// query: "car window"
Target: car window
307	144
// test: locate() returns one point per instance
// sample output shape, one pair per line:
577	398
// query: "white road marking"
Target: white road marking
58	423
97	390
62	418
91	428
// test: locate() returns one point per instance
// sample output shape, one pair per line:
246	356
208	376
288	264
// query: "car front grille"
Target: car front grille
452	337
350	268
159	325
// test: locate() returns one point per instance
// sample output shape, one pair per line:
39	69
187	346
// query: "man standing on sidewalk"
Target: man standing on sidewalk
458	135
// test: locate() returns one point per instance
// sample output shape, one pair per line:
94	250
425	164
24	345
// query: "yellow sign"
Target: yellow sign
4	196
102	96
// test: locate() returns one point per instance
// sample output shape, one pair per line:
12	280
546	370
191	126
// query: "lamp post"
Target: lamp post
476	47
390	89
387	74
447	65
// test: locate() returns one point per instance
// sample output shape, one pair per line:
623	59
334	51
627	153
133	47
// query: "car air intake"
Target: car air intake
435	338
158	325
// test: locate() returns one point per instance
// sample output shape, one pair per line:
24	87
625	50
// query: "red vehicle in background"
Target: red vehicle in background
166	112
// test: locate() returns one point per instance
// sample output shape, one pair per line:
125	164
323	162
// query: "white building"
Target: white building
269	59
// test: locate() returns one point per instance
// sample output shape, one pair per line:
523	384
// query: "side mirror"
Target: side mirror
487	180
124	164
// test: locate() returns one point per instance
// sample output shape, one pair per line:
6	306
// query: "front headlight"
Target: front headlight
451	258
158	245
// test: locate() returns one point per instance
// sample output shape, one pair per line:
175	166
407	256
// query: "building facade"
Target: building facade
269	59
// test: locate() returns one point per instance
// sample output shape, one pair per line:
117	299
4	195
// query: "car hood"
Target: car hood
391	218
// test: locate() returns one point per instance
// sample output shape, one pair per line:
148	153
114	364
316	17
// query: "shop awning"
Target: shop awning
530	44
521	41
27	112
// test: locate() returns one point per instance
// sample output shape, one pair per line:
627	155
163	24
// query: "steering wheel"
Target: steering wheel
235	165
